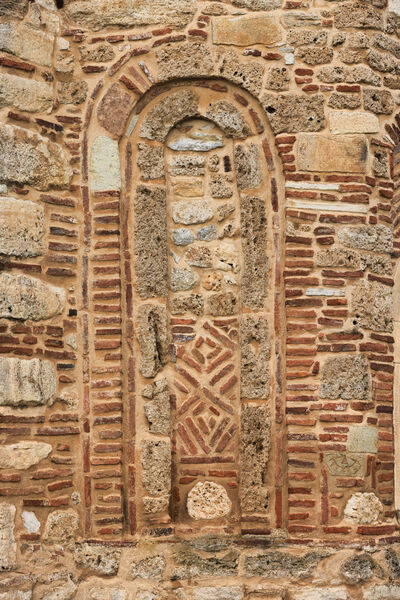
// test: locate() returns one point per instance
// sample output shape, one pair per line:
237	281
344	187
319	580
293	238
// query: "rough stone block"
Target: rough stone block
27	382
22	227
345	121
162	117
378	238
346	154
25	94
99	558
156	464
362	439
255	371
318	593
339	257
278	78
158	411
247	166
150	161
114	109
372	304
192	303
363	508
220	186
72	92
107	593
291	113
254	455
359	568
8	547
357	16
187	164
23	297
26	42
246	74
152	567
254	240
151	241
104	174
29	158
380	592
61	526
378	101
153	338
101	53
277	564
192	212
231	592
190	564
23	455
345	377
182	279
246	30
223	304
208	500
229	119
191	59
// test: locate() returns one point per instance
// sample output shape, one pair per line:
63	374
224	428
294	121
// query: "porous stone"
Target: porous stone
363	508
357	16
151	241
223	304
362	439
8	546
152	567
358	568
255	371
182	279
382	62
191	59
167	112
332	74
247	166
346	154
26	42
27	382
278	78
208	500
72	92
318	593
193	303
245	30
345	377
228	117
254	455
378	101
376	238
61	527
315	56
338	257
29	158
254	242
114	109
153	338
187	164
23	297
99	558
22	227
345	100
190	564
158	410
372	304
150	161
16	595
220	186
258	4
199	256
362	74
344	121
277	564
100	53
192	212
303	37
245	74
156	464
104	173
182	236
23	455
25	94
291	113
152	506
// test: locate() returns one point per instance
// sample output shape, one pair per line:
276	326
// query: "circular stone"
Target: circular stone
363	508
208	500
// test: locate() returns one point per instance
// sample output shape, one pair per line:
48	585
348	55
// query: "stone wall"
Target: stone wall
199	300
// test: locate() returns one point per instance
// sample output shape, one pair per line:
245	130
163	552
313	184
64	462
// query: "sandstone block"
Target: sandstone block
191	59
99	558
22	227
114	109
291	113
255	371
233	592
246	74
27	382
346	154
189	188
151	161
344	121
8	547
378	101
317	593
72	92
23	297
192	564
229	119
153	338
192	212
339	257
199	256
278	78
29	158
16	594
61	526
23	455
258	4
25	94
158	410
247	166
345	377
357	16
182	304
107	593
363	508
208	500
26	42
297	18
156	464
152	506
148	568
223	304
187	164
254	240
377	238
166	113
246	30
372	304
254	455
104	174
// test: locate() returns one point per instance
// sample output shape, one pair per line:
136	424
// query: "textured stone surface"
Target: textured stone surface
167	112
148	568
229	119
343	121
292	114
61	526
187	164
182	236
114	109
247	165
156	463
345	377
26	382
158	408
99	558
254	455
372	305
8	547
246	30
29	158
276	564
192	212
23	455
153	339
358	568
223	304
27	43
101	53
182	279
378	238
22	227
317	593
25	94
378	101
192	303
208	500
254	240
150	160
363	508
362	439
104	165
255	354
23	297
73	92
346	154
192	59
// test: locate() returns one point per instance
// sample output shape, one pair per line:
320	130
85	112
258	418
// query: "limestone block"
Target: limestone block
152	567
229	119
72	92
189	188
208	500
25	94
380	592
187	164
191	59
199	256
150	161
8	547
98	14
22	227
192	565
358	568
339	257
195	136
182	236
345	377
16	594
377	238
162	117
277	564
394	7
107	593
158	411
346	121
246	74
101	53
220	186
23	297
104	173
114	109
291	113
152	506
26	42
378	101
246	30
254	241
153	338
362	439
357	16
66	591
247	166
61	526
346	154
182	304
156	464
192	212
372	304
255	354
234	592
182	279
297	18
363	508
223	304
23	455
99	558
254	455
317	593
27	382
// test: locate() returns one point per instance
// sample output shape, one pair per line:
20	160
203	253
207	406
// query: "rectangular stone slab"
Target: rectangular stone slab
339	153
245	30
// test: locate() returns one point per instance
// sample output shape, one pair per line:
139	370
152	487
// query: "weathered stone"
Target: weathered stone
27	382
23	455
150	161
151	241
277	564
343	121
358	568
61	527
298	18
247	166
72	92
317	593
393	562
254	455
378	101
247	74
156	463
16	594
362	439
64	63
182	236
195	135
290	113
382	592
107	593
332	74
191	59
345	377
208	500
199	256
183	279
30	521
357	16
99	558
27	42
166	113
346	154
315	56
187	164
363	508
220	186
148	568
303	37
114	109
192	564
382	265
380	163
23	297
254	241
98	14
213	281
377	238
100	53
158	410
278	78
362	74
372	304
380	61
233	592
255	371
208	233
345	464
245	30
152	506
25	94
224	210
338	257
8	547
104	171
344	100
153	338
222	305
192	212
229	119
194	303
189	188
258	4
22	227
29	158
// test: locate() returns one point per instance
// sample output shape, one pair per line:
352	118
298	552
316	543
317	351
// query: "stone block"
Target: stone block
152	506
158	411
220	186
16	594
156	464
318	593
151	241
182	236
258	4
27	42
298	18
152	567
187	164
30	521
72	92
229	119
114	109
231	592
345	121
246	30
254	456
208	500
247	166
153	338
382	592
362	439
23	455
345	377
339	257
23	297
24	94
359	568
278	78
357	16
372	305
190	564
104	173
199	256
275	564
192	212
61	527
150	161
246	74
107	593
182	279
223	304
291	113
345	154
191	59
363	508
345	464
255	354
254	242
167	112
195	136
22	227
190	303
378	101
99	558
8	547
101	53
29	158
189	188
377	238
27	382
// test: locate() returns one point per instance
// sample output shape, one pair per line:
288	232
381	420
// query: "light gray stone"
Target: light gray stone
66	591
345	464
30	521
152	567
182	236
183	279
16	595
27	382
363	508
27	43
192	212
22	227
99	558
107	593
25	94
378	238
234	592
362	439
8	547
158	411
207	233
104	171
23	455
317	593
23	297
382	592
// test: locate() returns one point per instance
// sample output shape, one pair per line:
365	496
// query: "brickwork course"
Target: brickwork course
199	300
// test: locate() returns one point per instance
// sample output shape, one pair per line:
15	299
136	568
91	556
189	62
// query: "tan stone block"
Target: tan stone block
22	227
25	94
346	121
24	297
246	30
27	43
345	154
23	455
27	382
8	547
208	500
